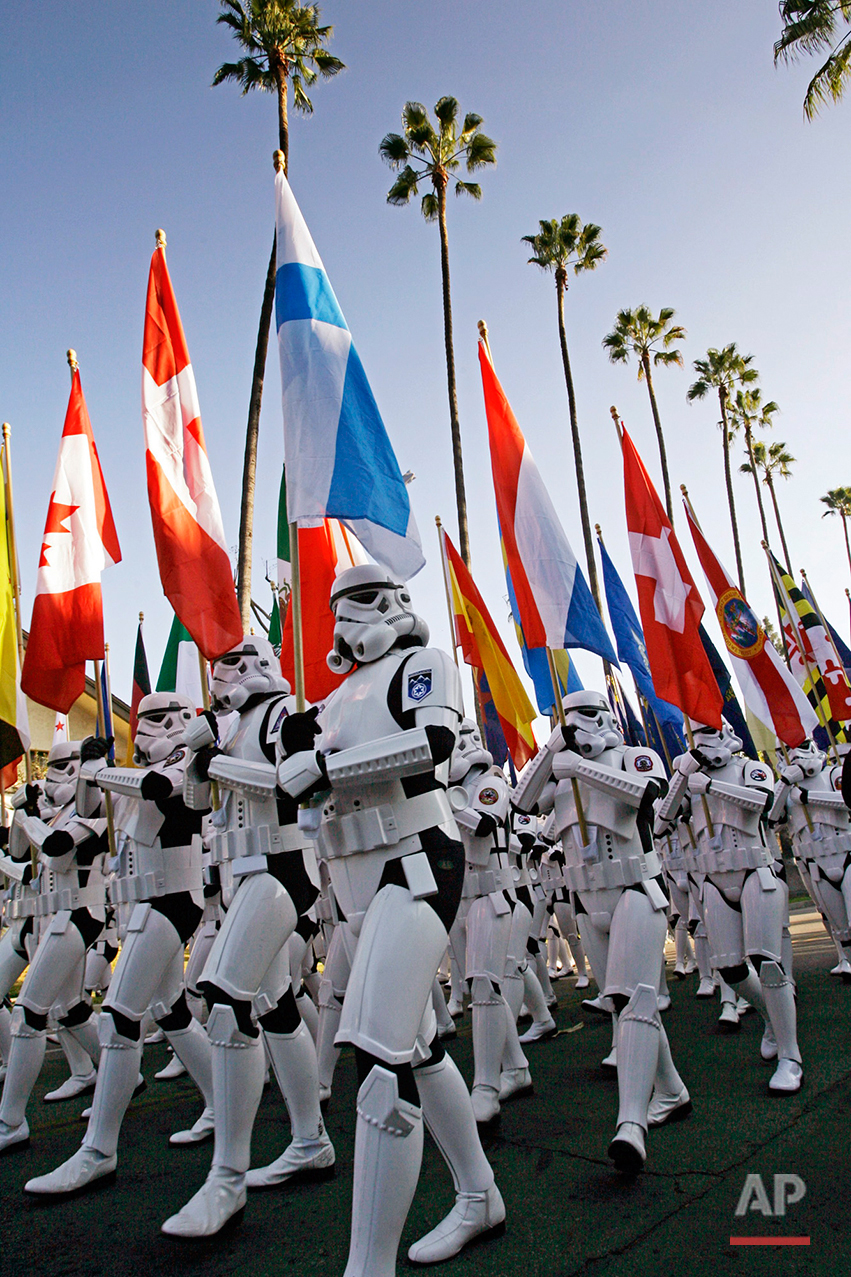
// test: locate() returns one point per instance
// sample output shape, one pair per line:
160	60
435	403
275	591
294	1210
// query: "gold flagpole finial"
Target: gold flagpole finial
279	161
71	356
159	235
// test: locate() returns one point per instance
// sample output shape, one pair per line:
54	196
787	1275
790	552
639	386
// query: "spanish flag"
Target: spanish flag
476	635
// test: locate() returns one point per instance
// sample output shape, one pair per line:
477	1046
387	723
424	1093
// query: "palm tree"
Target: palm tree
636	332
746	411
838	501
811	26
284	46
560	245
773	460
724	371
433	155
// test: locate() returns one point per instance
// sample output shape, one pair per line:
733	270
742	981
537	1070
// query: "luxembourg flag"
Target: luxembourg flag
555	605
192	552
340	463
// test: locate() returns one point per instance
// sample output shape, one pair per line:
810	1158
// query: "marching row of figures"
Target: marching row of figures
378	830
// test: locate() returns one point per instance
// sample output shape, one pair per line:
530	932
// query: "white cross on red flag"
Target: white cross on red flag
668	601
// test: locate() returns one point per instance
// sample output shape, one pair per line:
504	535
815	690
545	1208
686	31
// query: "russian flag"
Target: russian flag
340	463
555	606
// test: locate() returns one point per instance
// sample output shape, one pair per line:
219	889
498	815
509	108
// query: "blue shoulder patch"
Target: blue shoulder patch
419	685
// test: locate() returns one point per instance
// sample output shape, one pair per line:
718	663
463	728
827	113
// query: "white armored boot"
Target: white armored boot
5	1038
83	1072
610	1062
706	987
780	1004
311	1153
543	1025
388	1153
515	1078
445	1023
239	1066
26	1056
327	1054
639	1032
489	1015
118	1072
479	1211
309	1014
192	1047
728	1020
544	978
670	1101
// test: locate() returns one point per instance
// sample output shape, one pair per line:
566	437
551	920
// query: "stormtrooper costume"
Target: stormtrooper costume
386	828
488	893
521	982
256	842
744	902
72	851
616	877
158	871
808	799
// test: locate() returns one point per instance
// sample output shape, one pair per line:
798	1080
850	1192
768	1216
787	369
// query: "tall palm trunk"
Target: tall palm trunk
663	455
561	285
786	555
457	456
252	430
755	473
845	530
728	479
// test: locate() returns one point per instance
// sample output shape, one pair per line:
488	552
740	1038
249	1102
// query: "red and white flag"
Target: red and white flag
79	542
668	600
769	690
192	553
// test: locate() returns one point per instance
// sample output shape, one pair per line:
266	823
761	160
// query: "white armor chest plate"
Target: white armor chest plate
243	741
358	710
734	825
829	839
146	870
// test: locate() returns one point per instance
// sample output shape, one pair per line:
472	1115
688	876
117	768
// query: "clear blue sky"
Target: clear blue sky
665	123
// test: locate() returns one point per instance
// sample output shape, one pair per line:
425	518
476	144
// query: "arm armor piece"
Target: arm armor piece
199	733
88	800
299	773
778	812
617	784
197	792
14	869
19	843
667	809
388	758
126	781
825	798
18	798
750	799
538	773
254	780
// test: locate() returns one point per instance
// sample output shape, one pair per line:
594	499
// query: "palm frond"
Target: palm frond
430	207
468	188
446	111
404	187
394	150
480	151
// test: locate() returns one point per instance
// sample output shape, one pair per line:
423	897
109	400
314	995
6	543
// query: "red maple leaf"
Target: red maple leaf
56	517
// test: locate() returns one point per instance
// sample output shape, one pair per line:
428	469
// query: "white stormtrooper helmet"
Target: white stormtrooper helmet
246	670
63	768
716	747
469	751
372	613
808	757
161	723
596	728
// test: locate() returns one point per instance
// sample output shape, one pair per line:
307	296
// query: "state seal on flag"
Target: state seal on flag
743	634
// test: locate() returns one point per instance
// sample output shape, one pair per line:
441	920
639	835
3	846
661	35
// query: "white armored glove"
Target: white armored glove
689	763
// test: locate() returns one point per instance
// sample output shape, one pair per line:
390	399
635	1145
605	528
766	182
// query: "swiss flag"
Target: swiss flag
79	542
670	605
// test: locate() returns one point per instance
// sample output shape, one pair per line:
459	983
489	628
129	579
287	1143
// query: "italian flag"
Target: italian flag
181	670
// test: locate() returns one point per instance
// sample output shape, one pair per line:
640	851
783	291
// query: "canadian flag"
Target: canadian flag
668	601
79	542
192	552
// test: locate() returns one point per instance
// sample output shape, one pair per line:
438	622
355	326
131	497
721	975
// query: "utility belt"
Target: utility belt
822	847
605	874
22	905
249	848
71	898
159	872
551	876
727	859
484	882
374	828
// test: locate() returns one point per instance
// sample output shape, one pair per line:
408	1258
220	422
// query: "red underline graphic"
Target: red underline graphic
769	1241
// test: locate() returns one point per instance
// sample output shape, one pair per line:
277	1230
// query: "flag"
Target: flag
79	542
141	687
324	551
535	661
181	668
769	691
811	654
482	647
340	462
192	553
284	575
554	603
842	650
60	729
14	720
106	729
731	709
275	635
630	642
668	601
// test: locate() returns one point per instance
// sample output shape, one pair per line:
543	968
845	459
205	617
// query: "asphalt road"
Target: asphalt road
568	1212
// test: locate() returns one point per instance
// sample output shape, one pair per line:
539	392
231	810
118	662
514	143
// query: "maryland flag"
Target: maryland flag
476	635
812	656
